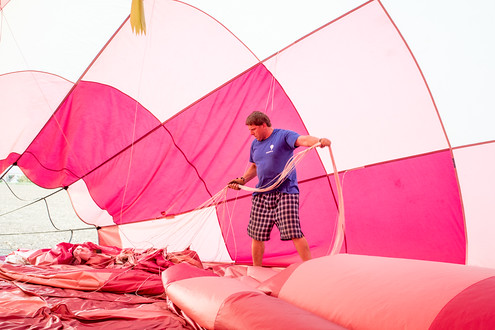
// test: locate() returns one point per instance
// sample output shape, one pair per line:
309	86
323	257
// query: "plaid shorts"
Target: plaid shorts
275	208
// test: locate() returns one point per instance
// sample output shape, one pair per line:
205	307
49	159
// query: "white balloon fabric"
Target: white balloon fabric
143	129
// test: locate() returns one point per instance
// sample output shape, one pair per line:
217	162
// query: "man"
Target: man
270	151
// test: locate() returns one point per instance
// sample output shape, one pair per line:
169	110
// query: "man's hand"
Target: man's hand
324	142
234	184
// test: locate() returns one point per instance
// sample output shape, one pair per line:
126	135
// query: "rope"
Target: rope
45	232
340	233
44	199
6	171
29	204
138	25
289	167
13	193
220	197
271	89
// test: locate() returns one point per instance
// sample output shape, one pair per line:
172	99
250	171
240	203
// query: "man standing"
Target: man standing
270	151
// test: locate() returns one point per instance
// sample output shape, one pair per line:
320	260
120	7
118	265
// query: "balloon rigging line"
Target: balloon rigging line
44	199
38	86
1	23
182	230
339	239
230	227
271	90
343	220
45	232
280	178
15	195
133	129
220	200
130	165
220	197
6	171
141	13
31	203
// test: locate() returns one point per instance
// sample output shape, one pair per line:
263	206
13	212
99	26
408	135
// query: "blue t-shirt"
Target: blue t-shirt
270	157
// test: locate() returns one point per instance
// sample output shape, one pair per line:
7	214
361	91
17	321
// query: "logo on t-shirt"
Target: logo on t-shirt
271	149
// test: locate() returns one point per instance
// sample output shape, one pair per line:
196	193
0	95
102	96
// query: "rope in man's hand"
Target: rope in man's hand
239	183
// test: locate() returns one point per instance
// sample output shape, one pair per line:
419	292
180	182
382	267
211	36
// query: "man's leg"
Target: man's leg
257	250
302	248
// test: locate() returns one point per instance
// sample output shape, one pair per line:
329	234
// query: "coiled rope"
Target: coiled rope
290	166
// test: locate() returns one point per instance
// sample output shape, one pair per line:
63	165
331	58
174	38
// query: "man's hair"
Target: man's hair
258	118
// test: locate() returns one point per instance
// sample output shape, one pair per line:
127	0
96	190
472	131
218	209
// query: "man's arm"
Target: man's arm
247	176
309	141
